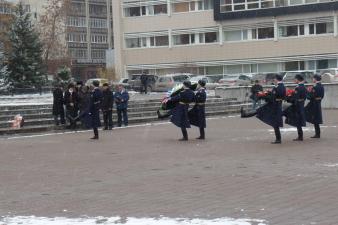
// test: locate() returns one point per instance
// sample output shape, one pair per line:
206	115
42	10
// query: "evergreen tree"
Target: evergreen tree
25	58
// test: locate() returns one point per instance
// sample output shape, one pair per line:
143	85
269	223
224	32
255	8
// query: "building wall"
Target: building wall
305	48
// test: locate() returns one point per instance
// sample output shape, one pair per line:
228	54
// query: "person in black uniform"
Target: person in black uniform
95	106
180	112
58	109
272	113
197	113
313	110
107	107
255	89
295	114
71	101
144	83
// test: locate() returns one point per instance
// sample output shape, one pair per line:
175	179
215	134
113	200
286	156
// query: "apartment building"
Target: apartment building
224	36
6	16
88	36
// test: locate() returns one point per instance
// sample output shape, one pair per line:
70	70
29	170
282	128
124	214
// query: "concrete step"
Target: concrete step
26	112
132	104
35	118
48	127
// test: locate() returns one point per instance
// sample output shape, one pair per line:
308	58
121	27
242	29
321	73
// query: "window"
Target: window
136	42
321	28
182	39
160	9
98	54
263	33
196	5
159	41
98	23
78	53
76	21
146	10
236	35
146	42
98	38
290	31
296	2
77	37
209	37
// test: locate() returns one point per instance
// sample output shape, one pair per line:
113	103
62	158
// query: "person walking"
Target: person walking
272	113
71	103
255	89
95	106
180	112
313	110
197	113
107	107
121	99
144	83
58	110
295	114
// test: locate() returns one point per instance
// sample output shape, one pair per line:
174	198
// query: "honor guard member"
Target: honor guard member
95	106
71	101
272	113
197	113
313	110
180	112
299	101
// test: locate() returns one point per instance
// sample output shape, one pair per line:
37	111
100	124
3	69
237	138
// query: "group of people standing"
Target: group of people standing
297	114
182	117
83	103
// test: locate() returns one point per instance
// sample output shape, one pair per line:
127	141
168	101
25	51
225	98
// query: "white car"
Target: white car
210	80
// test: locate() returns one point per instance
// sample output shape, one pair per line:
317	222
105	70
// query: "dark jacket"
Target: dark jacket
271	113
107	100
197	113
144	79
295	114
254	90
121	99
84	100
313	110
58	102
71	100
95	106
180	112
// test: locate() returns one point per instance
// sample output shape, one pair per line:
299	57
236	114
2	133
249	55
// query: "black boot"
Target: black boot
185	134
96	134
202	134
300	134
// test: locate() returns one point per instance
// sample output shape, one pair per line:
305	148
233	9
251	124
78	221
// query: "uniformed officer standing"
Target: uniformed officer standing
121	99
197	113
95	106
313	110
272	113
180	112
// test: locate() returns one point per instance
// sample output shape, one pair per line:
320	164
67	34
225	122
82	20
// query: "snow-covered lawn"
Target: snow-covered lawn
32	220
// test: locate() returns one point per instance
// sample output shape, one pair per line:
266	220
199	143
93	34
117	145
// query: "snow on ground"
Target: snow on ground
32	220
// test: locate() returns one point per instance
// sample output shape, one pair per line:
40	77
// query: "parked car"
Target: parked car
135	82
100	80
289	76
266	78
329	75
235	80
210	80
123	82
167	82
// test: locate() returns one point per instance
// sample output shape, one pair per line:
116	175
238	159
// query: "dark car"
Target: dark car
135	82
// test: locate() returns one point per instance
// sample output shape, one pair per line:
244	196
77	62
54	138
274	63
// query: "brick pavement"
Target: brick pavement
145	172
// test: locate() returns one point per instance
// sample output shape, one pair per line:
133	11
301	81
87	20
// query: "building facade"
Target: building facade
88	36
224	36
6	16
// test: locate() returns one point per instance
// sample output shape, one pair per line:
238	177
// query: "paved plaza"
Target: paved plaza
144	172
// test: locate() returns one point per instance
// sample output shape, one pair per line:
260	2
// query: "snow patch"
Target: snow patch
32	220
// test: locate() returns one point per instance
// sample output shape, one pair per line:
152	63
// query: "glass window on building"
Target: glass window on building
281	3
290	31
235	35
321	28
296	2
160	9
322	64
267	4
263	33
184	39
210	37
233	69
294	65
133	43
213	70
267	67
159	41
181	7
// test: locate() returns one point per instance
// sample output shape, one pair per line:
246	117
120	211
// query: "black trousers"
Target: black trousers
144	88
202	132
108	119
121	112
72	114
277	133
300	132
62	118
184	133
96	132
317	129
